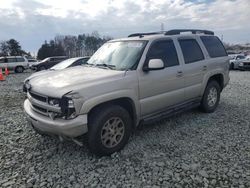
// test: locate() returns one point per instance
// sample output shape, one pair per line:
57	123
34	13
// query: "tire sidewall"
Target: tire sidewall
204	104
98	120
19	69
41	68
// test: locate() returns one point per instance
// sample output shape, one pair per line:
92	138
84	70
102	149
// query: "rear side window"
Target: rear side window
20	59
214	46
191	50
11	60
164	50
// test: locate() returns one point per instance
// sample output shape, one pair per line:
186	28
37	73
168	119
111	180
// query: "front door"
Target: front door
159	89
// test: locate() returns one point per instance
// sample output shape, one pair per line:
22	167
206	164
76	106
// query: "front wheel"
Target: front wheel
41	68
231	66
211	97
109	129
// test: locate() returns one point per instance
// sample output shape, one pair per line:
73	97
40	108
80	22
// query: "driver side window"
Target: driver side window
164	50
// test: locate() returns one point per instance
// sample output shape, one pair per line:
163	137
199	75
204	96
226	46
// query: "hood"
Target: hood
38	74
57	83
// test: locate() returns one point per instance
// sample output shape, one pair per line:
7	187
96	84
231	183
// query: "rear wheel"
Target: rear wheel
211	97
19	69
109	129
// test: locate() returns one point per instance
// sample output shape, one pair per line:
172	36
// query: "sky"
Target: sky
31	22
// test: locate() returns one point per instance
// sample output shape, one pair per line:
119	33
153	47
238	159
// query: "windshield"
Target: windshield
64	64
46	59
121	55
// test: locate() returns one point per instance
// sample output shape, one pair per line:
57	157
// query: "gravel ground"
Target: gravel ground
192	149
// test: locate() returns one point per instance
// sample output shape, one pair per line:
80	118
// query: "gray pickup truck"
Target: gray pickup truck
141	78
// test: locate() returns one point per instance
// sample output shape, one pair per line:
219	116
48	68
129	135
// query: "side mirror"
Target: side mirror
154	64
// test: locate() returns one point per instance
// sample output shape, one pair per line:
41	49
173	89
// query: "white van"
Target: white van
16	63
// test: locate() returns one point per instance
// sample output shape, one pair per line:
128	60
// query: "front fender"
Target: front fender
94	101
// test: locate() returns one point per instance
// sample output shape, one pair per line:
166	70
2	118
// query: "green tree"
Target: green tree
14	47
51	49
4	48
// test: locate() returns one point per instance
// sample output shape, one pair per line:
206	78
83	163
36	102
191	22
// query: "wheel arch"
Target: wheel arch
125	102
218	77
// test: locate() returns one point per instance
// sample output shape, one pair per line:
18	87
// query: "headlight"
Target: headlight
241	64
70	103
54	102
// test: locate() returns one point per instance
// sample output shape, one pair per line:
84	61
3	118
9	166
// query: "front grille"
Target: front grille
38	97
247	63
39	108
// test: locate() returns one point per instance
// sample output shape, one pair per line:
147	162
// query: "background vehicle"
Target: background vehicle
245	64
16	63
48	62
32	62
142	78
62	65
235	60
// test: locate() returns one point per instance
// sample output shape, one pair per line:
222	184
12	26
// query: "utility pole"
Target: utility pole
162	27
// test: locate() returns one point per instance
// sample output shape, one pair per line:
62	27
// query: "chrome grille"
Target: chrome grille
38	97
40	104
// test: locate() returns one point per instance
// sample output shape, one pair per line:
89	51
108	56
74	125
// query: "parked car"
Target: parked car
235	60
141	78
245	65
62	65
48	63
32	62
15	63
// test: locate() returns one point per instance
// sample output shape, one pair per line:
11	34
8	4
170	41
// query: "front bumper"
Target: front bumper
69	128
244	67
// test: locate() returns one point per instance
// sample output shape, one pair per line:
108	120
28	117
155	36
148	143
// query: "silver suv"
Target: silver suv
16	63
141	78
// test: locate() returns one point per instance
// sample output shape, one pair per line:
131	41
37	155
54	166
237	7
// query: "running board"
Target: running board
171	111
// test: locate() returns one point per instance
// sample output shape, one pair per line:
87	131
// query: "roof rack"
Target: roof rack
173	32
193	31
143	34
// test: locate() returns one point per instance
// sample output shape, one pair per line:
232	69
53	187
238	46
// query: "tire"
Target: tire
211	97
231	66
103	137
19	69
41	68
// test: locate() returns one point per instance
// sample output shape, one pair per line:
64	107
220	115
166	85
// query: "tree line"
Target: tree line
72	46
11	48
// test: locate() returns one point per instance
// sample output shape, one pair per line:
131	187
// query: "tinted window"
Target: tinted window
214	46
20	59
164	50
240	57
31	60
2	60
11	60
191	50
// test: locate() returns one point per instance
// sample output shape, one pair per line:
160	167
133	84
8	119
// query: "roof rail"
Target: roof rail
143	34
193	31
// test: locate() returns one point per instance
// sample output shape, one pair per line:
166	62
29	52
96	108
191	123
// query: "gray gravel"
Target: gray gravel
189	150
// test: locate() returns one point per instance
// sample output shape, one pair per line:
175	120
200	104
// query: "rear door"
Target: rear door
11	62
194	67
159	89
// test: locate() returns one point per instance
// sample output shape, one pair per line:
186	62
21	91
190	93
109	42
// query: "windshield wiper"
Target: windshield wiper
106	66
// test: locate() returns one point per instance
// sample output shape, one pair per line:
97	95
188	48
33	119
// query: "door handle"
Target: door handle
204	68
179	74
